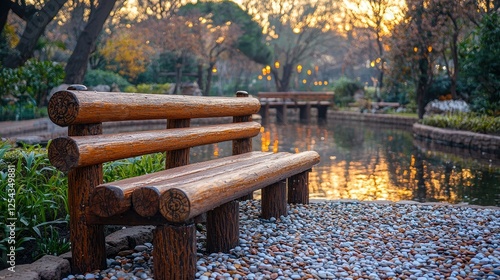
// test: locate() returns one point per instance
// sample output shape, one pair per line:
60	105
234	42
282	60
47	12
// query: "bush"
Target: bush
481	66
41	198
465	121
29	85
100	77
149	88
40	202
344	89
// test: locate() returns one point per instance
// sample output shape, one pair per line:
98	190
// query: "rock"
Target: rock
101	88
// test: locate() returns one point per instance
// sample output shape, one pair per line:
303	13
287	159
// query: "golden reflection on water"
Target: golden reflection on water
373	164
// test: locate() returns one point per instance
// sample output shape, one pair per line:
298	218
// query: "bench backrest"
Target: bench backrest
83	110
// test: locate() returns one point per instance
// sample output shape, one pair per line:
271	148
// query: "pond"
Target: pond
379	162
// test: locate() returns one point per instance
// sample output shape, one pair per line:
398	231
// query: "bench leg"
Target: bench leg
87	241
223	225
298	188
174	252
274	200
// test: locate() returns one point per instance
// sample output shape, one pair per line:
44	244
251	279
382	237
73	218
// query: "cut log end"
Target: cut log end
175	205
63	108
63	153
146	201
107	201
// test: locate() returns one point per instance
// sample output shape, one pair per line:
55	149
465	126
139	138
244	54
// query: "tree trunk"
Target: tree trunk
206	91
77	63
32	32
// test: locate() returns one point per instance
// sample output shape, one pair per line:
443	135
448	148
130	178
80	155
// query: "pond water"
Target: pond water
379	162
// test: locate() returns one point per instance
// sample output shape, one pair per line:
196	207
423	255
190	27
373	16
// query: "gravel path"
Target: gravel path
338	240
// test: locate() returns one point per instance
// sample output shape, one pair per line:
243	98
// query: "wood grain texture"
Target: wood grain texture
174	252
80	107
298	188
191	199
223	228
102	148
88	246
142	194
146	199
274	200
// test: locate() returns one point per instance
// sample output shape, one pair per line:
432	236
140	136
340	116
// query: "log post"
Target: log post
179	157
241	146
298	188
174	251
264	111
223	228
87	241
274	200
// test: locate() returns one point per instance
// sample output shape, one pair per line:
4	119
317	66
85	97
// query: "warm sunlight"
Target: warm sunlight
368	12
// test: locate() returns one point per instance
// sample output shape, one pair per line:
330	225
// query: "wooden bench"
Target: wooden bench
173	198
281	101
363	105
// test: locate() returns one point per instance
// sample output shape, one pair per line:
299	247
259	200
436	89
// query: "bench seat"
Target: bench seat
182	193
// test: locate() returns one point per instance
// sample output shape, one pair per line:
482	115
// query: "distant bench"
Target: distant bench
281	101
172	198
374	105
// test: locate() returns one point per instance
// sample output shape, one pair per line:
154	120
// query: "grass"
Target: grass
41	199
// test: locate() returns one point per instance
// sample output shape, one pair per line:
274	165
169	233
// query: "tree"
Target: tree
415	48
128	54
481	68
77	63
296	31
225	30
375	19
36	22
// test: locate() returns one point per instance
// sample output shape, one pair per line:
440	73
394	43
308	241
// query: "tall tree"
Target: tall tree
77	63
375	19
36	22
231	30
415	47
296	31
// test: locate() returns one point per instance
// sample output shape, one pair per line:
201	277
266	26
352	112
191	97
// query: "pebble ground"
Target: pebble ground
339	240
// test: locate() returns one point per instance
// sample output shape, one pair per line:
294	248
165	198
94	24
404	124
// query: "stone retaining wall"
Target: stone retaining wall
373	118
463	139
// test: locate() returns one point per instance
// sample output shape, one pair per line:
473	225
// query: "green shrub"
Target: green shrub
40	197
42	200
470	122
344	89
149	88
28	85
101	77
480	74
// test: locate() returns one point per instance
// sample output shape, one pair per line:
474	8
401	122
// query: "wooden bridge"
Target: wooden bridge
304	101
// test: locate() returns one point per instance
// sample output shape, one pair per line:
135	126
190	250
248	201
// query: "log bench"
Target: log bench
173	198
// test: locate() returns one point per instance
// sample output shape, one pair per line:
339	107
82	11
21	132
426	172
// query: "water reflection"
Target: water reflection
366	162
